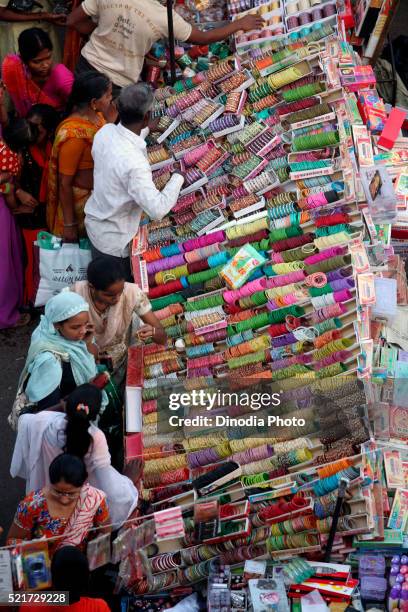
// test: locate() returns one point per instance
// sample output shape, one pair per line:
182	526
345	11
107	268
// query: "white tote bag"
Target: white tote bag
60	268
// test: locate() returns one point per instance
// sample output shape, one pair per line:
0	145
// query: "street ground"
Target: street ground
13	350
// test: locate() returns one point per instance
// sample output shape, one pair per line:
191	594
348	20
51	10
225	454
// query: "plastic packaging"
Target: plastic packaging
371	565
99	551
380	194
242	265
373	588
297	571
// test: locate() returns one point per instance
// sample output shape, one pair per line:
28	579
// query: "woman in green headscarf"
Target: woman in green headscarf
61	353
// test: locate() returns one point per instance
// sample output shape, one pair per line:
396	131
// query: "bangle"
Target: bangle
71	224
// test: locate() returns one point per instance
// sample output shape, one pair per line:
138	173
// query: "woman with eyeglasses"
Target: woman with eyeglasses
42	437
68	507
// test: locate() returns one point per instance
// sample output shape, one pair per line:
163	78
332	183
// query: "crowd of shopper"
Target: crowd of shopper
74	114
72	150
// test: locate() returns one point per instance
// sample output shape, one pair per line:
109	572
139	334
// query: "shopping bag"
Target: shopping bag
61	265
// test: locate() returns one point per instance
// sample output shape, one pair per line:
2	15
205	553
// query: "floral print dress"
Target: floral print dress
33	516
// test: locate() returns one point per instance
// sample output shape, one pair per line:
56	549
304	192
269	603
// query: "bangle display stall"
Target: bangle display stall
264	278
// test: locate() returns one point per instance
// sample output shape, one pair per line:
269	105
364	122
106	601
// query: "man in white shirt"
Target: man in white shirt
123	184
121	33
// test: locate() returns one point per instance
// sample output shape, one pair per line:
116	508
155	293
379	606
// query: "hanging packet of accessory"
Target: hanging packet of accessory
237	271
380	194
119	545
36	566
6	576
169	524
268	594
98	551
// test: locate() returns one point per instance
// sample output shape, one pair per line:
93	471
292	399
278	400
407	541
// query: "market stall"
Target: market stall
274	270
272	427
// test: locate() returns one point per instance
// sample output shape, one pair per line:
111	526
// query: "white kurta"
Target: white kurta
41	438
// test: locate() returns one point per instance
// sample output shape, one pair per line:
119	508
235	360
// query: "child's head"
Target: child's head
16	136
19	134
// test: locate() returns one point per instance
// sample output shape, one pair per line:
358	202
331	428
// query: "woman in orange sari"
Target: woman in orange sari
70	177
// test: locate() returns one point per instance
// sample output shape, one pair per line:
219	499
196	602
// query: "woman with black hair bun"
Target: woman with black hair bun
70	178
42	437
